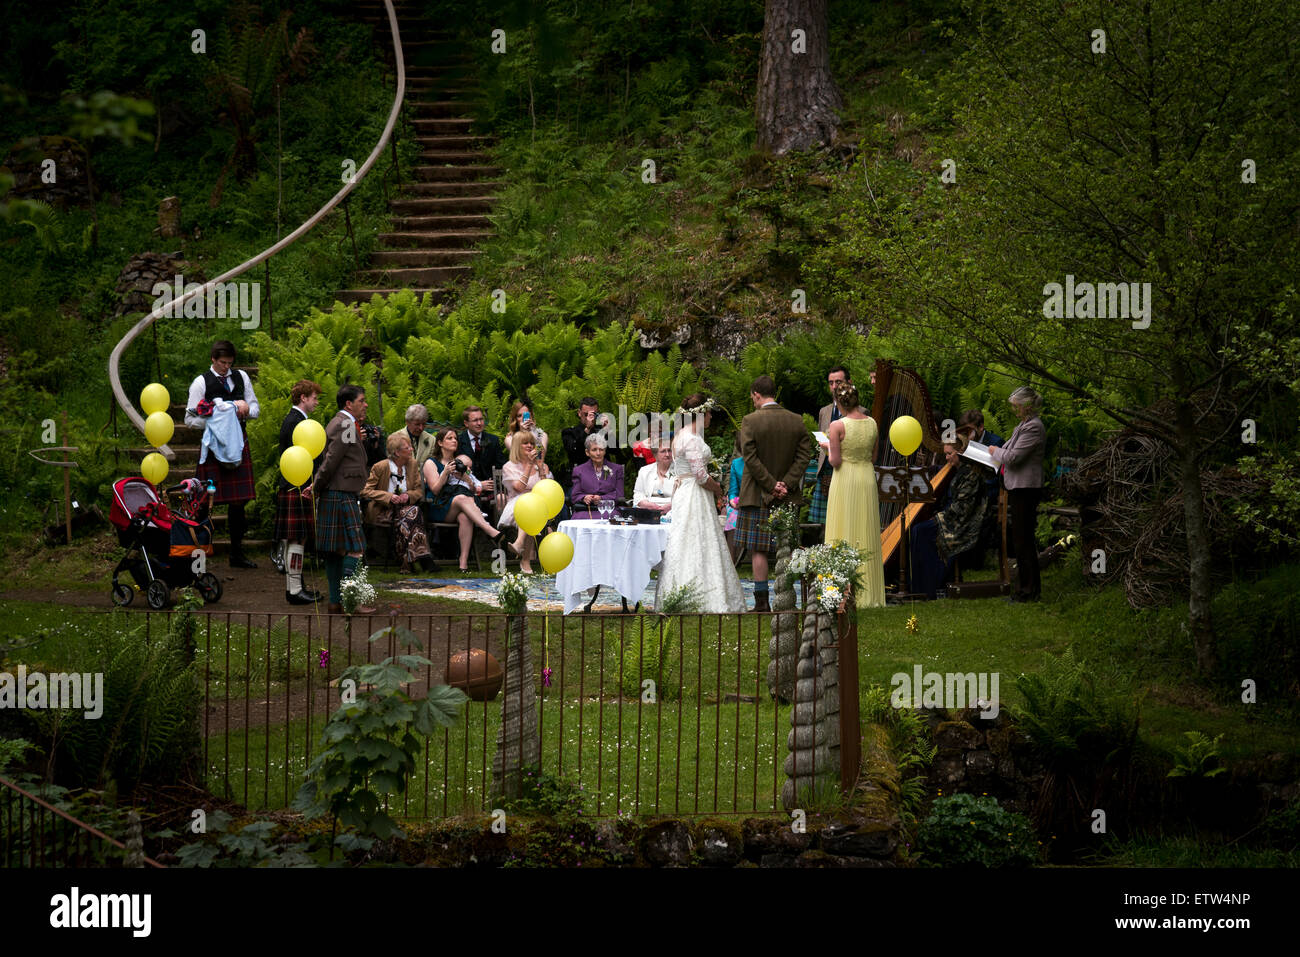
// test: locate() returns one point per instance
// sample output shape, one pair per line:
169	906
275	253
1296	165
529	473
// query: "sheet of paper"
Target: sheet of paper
978	453
821	438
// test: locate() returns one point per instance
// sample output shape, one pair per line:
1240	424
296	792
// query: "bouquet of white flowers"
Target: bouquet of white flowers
832	569
356	591
512	593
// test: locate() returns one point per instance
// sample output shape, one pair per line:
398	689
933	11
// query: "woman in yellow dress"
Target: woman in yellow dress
853	505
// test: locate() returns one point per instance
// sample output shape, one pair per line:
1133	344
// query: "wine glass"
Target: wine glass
606	507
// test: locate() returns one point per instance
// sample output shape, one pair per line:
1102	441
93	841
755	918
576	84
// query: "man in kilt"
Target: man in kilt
234	483
338	484
293	520
776	449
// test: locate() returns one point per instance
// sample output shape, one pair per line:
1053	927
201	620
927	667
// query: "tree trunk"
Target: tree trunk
1198	541
517	742
797	100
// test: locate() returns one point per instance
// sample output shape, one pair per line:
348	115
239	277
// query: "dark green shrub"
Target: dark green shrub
967	831
545	795
1256	623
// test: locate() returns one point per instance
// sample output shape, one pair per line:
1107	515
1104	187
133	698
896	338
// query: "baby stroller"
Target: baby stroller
161	542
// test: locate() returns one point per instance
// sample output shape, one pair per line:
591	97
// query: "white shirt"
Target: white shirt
396	478
648	481
199	388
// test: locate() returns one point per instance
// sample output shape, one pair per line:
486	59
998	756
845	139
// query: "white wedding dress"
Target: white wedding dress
697	552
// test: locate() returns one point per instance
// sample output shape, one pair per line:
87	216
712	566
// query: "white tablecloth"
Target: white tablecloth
620	556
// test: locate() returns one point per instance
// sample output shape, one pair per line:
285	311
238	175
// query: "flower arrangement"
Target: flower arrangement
832	570
784	522
356	591
512	593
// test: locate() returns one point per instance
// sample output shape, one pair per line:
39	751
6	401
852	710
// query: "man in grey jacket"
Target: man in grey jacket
1021	461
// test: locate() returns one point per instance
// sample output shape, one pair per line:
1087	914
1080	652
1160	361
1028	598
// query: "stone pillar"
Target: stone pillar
814	739
783	646
169	217
517	740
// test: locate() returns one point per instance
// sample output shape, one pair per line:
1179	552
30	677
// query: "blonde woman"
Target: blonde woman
524	470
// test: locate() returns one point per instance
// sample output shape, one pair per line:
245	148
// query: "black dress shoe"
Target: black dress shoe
240	560
302	598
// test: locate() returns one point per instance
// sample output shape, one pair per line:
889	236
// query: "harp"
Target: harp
900	392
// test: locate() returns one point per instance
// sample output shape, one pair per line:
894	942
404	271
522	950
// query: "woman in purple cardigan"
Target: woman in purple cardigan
1021	459
595	479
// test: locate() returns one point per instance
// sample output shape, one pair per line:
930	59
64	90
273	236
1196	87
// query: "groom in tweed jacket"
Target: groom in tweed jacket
776	448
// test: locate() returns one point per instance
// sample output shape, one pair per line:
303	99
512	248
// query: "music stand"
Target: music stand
906	484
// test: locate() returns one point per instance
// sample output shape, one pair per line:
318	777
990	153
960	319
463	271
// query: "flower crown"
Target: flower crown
708	405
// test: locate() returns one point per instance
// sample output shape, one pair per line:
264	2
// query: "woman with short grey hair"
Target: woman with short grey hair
1021	461
423	446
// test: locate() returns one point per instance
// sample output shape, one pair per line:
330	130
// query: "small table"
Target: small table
620	556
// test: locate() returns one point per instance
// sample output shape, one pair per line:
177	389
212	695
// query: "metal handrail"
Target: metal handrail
114	360
82	826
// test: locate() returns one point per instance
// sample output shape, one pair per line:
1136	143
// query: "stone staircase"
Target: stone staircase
441	212
439	215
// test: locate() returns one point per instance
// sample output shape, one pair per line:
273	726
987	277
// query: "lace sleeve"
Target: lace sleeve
697	457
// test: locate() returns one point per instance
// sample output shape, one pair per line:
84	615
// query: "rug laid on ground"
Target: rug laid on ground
541	592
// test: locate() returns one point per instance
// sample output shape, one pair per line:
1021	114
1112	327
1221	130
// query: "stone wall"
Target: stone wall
136	281
69	188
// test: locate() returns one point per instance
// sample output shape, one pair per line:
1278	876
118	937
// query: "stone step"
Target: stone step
448	141
445	124
433	109
446	204
445	157
450	221
471	188
414	276
440	174
444	240
423	257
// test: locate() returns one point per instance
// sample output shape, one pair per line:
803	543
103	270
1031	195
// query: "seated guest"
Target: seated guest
595	479
521	420
451	490
417	417
485	452
524	470
392	495
654	486
956	529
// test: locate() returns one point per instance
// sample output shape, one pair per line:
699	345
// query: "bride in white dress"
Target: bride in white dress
697	552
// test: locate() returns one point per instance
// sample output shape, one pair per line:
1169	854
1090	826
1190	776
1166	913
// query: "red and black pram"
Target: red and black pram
163	544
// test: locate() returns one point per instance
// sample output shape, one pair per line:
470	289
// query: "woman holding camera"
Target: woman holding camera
450	492
522	421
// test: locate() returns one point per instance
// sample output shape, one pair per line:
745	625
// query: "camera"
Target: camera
460	467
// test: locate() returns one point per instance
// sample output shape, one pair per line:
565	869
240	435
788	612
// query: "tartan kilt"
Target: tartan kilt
817	510
752	529
233	485
293	518
338	523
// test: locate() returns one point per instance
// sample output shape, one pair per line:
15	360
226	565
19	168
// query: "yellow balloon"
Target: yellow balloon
154	398
310	434
154	468
159	428
552	494
295	465
530	513
905	434
555	552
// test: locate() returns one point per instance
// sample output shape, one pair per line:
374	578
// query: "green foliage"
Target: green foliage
914	750
256	845
967	831
1074	720
654	653
1199	758
546	795
148	732
369	746
1256	622
12	751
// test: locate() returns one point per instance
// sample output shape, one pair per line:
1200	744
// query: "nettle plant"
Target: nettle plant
370	743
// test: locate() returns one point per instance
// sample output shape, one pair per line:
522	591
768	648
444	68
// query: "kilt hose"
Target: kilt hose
293	516
752	529
338	523
821	494
233	485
